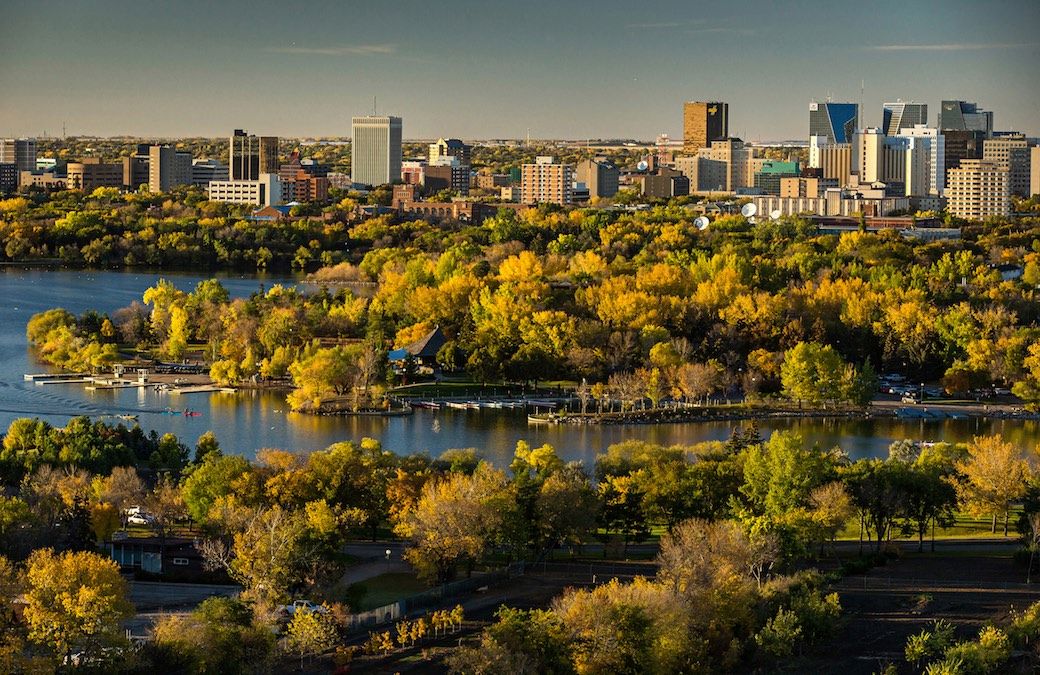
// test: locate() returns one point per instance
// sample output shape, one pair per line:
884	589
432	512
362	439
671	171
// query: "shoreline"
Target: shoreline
923	413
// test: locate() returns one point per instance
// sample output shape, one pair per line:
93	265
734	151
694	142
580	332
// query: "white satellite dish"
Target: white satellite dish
775	214
642	166
701	222
748	210
751	220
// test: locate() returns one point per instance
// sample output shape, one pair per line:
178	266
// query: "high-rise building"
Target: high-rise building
964	116
837	122
90	173
375	150
249	155
8	177
168	167
880	159
704	122
726	166
547	182
834	160
600	176
902	115
450	148
1010	153
135	168
19	151
918	136
977	189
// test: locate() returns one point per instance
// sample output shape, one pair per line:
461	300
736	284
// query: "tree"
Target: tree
210	480
814	372
519	642
454	521
995	475
219	636
123	488
165	505
74	601
311	633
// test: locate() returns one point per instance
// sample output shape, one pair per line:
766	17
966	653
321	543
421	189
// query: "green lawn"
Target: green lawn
386	588
964	527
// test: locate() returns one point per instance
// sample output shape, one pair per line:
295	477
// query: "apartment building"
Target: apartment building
547	182
978	189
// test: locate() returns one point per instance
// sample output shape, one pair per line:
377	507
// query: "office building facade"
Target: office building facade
8	177
450	148
446	177
902	115
600	176
19	151
91	173
837	122
964	116
1010	153
703	123
375	151
547	182
205	170
265	191
918	136
834	160
977	189
168	167
250	156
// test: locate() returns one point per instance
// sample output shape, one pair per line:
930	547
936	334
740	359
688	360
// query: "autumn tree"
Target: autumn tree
995	476
454	521
74	601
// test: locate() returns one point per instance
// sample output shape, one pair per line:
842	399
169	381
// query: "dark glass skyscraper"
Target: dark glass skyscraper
836	121
902	115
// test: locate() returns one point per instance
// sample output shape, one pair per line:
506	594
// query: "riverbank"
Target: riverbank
748	412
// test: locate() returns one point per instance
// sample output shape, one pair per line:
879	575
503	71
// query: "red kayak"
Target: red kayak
192	413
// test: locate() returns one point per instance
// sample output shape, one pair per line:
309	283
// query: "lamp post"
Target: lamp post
388	552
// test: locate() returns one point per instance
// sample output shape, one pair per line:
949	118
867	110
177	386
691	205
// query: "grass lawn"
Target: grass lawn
386	588
964	527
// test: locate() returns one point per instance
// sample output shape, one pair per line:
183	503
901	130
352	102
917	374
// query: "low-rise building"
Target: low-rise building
664	184
492	181
263	192
168	168
204	171
42	180
91	173
447	176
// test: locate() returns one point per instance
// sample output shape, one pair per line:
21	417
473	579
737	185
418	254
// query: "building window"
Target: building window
180	561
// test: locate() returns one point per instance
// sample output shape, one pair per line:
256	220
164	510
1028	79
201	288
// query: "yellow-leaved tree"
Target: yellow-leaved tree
74	602
995	475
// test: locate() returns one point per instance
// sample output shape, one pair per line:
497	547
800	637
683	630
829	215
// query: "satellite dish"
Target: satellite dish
642	166
775	214
751	220
748	210
701	222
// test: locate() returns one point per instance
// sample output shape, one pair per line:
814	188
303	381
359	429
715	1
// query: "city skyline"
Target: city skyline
152	70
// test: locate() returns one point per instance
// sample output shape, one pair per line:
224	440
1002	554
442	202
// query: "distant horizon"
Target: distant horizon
146	69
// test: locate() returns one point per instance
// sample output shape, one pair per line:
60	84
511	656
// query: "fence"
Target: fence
434	596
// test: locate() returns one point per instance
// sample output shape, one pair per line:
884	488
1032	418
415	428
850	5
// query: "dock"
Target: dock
45	377
202	389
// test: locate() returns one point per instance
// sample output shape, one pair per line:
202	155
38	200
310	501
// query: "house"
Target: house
271	213
146	554
423	352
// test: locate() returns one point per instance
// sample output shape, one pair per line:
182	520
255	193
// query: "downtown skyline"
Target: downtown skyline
144	69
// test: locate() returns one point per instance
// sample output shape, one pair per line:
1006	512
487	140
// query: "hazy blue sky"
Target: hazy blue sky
595	68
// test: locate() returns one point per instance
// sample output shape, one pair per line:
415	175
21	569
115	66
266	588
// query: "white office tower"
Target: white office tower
375	151
936	156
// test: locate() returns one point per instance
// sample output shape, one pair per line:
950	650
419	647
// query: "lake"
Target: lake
247	421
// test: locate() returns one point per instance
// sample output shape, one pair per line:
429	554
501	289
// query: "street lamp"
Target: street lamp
388	558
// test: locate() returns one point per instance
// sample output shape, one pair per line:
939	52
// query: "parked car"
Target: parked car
304	604
910	397
138	516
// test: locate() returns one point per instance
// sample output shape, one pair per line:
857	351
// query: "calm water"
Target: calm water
250	420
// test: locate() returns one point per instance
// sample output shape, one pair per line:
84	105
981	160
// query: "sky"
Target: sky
549	68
